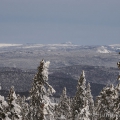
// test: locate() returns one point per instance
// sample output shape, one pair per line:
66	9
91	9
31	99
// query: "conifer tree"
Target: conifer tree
24	106
106	103
117	104
62	110
40	104
90	100
13	108
80	99
84	114
2	108
25	110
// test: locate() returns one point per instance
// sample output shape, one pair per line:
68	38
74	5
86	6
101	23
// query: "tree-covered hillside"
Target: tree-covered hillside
59	78
81	106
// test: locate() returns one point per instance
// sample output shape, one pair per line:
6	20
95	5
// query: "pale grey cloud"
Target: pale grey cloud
57	21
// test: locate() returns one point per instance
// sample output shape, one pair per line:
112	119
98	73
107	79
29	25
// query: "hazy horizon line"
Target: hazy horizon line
69	43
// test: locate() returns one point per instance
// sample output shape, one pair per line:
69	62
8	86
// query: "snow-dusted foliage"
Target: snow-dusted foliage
79	105
62	110
84	114
3	105
40	105
90	100
24	106
14	109
107	103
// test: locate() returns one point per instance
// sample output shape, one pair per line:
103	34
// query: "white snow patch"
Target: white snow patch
115	45
50	46
3	101
1	98
27	46
103	49
34	46
9	45
61	45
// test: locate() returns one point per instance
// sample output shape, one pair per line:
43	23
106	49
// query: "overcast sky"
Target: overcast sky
83	22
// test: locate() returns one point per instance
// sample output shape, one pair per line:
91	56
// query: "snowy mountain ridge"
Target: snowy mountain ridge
9	45
60	55
103	49
99	49
35	45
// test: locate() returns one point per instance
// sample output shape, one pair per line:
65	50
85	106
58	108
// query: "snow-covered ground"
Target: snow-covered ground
103	49
49	47
9	45
115	46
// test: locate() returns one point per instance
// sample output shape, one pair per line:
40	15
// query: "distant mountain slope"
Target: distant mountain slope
95	74
28	56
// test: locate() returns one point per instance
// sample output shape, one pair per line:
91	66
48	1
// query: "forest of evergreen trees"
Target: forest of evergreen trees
38	105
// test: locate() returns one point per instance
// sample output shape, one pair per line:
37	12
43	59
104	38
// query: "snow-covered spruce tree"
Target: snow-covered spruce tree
118	85
117	101
13	108
106	104
24	106
24	109
80	99
62	110
2	108
90	101
40	104
84	114
117	104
